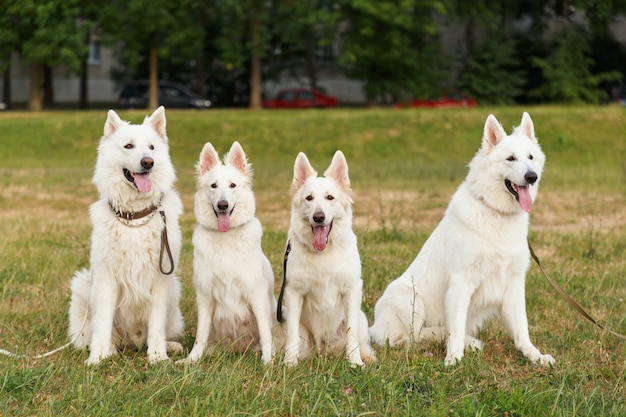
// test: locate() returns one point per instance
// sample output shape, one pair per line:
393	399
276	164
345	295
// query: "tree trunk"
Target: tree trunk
310	61
154	75
48	87
6	85
83	99
83	94
255	66
34	102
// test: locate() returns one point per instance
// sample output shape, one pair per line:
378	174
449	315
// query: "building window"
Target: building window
94	53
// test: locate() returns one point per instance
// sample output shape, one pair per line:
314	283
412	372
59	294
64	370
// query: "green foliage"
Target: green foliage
567	72
49	31
494	74
171	27
393	46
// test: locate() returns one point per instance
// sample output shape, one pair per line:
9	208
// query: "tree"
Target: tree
302	32
567	71
392	46
493	73
147	30
244	38
49	33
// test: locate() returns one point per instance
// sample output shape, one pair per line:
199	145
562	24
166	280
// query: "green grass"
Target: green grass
404	166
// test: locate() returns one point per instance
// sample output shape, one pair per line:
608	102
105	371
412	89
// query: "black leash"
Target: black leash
165	246
279	311
573	303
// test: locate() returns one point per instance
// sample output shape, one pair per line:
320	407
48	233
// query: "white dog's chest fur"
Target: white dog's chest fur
238	247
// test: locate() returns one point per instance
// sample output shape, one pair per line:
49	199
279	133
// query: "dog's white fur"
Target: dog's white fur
474	264
233	278
323	292
124	299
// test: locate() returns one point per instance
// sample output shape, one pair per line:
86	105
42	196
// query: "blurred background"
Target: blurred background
82	54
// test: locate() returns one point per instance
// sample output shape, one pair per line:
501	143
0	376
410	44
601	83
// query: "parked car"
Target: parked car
300	98
171	95
449	100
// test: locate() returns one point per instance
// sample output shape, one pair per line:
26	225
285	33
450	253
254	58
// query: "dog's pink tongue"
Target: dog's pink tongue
143	182
320	237
525	200
223	221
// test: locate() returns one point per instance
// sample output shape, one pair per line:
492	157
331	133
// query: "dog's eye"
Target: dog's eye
330	197
151	147
511	158
309	198
129	146
233	185
214	185
530	157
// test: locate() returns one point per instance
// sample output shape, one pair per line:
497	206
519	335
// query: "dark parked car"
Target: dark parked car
300	98
171	95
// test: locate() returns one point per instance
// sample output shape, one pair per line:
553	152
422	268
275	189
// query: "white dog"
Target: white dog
233	279
474	264
323	288
130	295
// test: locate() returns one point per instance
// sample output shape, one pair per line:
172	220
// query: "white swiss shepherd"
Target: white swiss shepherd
233	279
473	266
323	290
130	295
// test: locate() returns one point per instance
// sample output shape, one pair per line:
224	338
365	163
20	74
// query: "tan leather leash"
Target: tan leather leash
573	303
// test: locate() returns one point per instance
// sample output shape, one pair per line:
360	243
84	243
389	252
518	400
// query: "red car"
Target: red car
300	98
444	102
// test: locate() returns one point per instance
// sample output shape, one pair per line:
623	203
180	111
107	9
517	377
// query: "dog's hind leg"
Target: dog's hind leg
79	314
398	318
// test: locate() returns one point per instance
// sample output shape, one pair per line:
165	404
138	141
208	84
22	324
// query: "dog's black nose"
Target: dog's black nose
222	205
531	177
147	163
319	217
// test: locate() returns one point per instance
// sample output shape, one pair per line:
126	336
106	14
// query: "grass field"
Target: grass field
404	166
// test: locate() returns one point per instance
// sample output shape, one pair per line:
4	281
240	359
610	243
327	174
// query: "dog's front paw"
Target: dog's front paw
452	360
358	363
291	362
156	357
267	358
186	361
545	360
98	355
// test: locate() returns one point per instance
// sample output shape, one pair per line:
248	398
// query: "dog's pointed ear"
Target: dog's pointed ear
493	133
112	123
526	127
338	170
208	159
157	120
236	157
302	170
